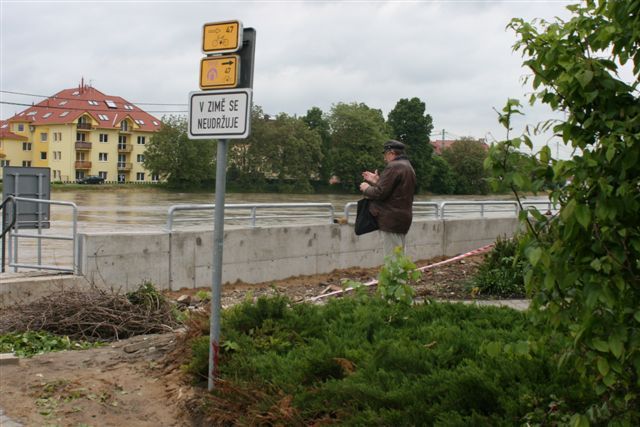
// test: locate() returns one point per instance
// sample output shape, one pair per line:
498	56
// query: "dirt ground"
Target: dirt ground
127	382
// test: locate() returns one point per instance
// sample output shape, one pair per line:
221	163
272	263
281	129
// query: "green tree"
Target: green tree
443	180
184	163
281	148
585	268
411	125
316	121
466	159
358	134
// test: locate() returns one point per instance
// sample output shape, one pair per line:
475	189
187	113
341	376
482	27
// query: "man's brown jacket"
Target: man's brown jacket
392	196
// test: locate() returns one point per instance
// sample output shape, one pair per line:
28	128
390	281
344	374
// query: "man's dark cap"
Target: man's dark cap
393	145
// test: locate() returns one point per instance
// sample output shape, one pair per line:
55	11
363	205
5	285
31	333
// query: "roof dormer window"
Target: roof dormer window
62	102
110	103
46	115
76	93
64	113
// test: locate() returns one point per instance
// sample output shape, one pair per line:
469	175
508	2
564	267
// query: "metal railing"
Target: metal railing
450	209
420	211
478	206
15	234
6	227
253	211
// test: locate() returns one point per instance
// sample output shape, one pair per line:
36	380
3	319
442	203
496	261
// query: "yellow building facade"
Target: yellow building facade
80	132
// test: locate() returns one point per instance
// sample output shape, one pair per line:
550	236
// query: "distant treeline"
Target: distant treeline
319	152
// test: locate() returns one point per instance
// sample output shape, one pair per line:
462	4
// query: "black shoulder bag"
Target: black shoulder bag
365	222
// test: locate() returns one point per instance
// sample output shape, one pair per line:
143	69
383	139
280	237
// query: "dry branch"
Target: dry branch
91	315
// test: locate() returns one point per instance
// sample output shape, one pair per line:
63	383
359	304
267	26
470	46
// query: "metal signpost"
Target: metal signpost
222	111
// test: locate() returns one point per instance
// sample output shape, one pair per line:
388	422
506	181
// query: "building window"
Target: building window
4	163
103	117
20	127
26	163
81	136
43	155
26	146
102	157
104	137
57	155
103	175
140	176
44	136
122	139
57	136
124	126
140	158
155	177
141	140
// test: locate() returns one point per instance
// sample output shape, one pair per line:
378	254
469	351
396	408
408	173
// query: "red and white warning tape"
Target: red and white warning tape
426	267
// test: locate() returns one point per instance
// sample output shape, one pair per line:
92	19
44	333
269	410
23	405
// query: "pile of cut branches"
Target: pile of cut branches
93	314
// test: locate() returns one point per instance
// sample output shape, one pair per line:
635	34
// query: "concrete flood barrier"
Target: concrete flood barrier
179	259
182	259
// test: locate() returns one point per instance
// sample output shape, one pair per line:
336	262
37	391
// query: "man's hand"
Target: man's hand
371	177
364	186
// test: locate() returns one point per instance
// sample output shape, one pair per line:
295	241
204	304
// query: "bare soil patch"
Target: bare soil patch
132	383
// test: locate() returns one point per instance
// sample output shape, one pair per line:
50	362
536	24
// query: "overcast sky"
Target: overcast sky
456	56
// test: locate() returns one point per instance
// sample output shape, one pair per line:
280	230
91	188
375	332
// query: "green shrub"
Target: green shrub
502	272
368	362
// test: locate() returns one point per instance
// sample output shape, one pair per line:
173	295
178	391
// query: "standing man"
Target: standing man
392	196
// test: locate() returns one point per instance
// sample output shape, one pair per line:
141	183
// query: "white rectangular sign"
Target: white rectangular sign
220	114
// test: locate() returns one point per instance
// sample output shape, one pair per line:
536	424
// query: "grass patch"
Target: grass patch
369	362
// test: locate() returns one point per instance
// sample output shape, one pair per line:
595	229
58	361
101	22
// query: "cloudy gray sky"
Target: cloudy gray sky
456	56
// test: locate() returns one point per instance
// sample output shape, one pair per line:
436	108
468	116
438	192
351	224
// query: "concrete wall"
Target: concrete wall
183	258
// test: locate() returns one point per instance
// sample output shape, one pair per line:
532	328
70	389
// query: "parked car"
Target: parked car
91	179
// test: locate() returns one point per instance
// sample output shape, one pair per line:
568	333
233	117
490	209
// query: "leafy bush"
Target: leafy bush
31	343
502	272
368	362
396	277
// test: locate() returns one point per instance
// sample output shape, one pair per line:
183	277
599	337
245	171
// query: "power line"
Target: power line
75	99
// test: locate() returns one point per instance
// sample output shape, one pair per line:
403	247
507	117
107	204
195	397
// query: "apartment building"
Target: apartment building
80	132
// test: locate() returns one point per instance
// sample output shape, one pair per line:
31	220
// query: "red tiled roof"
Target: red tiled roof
441	145
68	104
5	133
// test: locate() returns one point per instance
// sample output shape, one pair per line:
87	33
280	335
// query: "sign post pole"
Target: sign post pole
216	283
222	112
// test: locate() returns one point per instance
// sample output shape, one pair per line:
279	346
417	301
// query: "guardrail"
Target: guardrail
253	209
448	209
14	234
348	207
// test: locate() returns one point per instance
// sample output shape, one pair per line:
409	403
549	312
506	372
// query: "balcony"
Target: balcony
125	131
124	166
82	164
125	148
82	145
85	126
